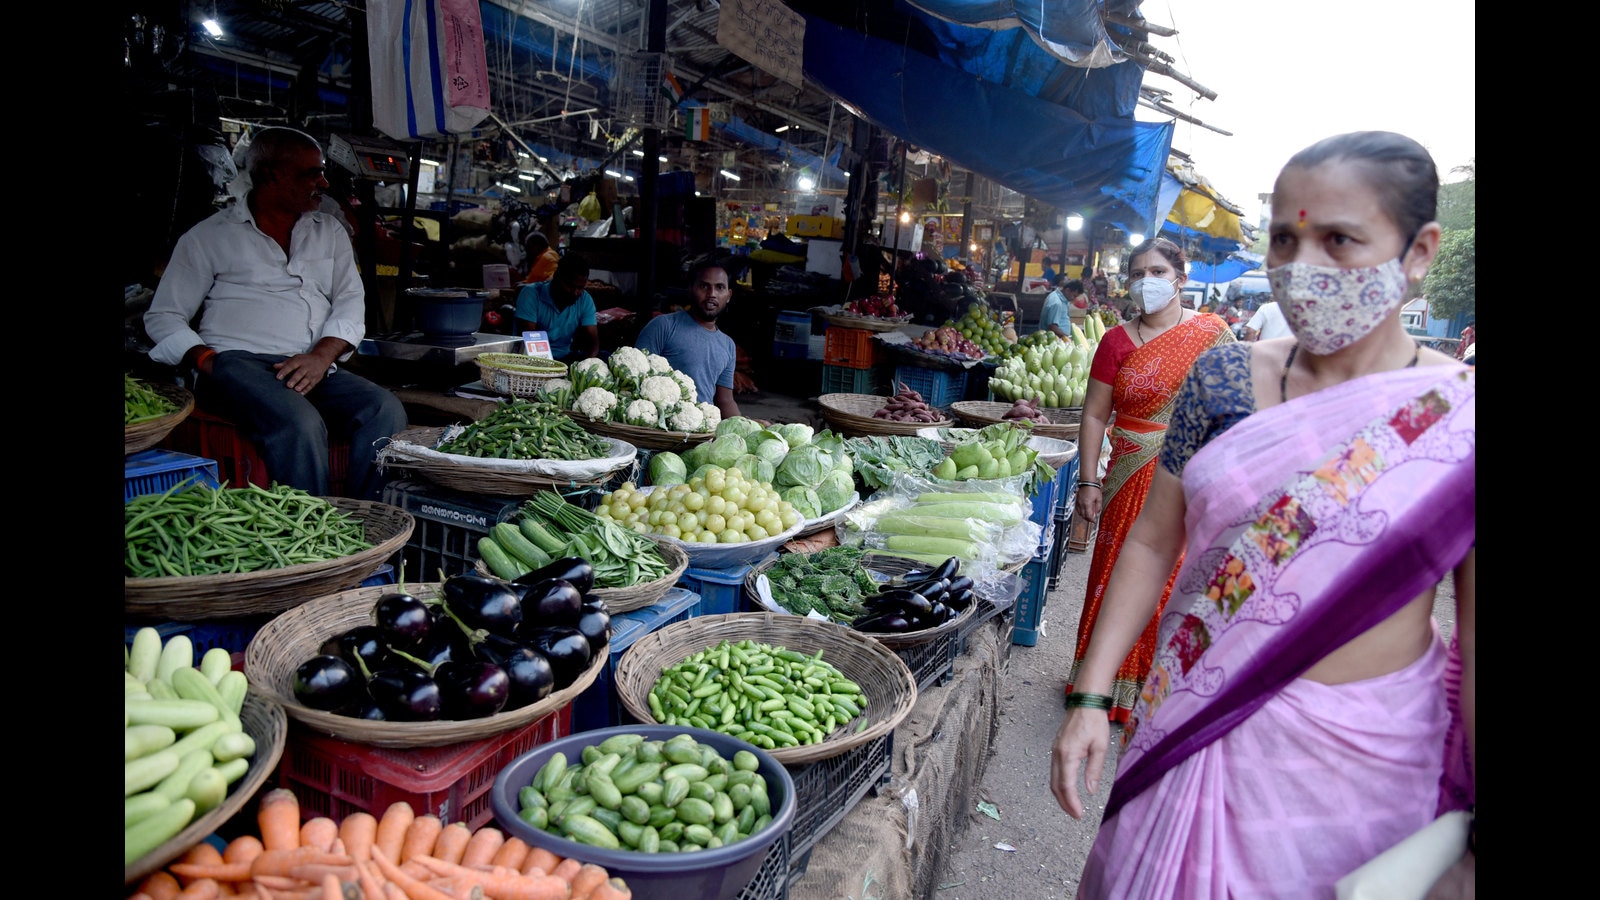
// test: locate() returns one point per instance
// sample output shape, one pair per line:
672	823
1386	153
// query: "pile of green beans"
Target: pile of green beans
195	529
527	429
142	403
769	696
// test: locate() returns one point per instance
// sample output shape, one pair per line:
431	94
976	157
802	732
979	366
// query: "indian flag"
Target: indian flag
697	124
671	88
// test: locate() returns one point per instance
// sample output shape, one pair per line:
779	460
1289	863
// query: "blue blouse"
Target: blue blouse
1215	396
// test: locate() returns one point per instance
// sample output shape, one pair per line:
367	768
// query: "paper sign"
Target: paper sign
766	34
537	343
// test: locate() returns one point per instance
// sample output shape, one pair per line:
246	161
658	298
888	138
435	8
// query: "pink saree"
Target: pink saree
1238	778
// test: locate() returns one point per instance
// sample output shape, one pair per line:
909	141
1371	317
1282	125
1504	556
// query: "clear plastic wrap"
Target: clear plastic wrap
984	524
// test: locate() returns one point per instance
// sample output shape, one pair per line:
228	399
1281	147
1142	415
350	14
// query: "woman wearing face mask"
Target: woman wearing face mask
1302	715
1135	374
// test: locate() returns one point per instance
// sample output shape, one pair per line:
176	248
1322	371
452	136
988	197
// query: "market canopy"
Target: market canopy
1198	218
1236	264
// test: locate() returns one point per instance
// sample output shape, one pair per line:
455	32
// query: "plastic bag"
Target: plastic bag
923	520
430	72
589	207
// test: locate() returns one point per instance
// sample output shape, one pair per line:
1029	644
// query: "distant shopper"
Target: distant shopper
1267	323
1056	316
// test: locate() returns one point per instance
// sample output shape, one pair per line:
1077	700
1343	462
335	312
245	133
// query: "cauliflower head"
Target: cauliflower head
690	391
592	365
688	417
629	364
658	364
713	416
642	413
662	390
596	403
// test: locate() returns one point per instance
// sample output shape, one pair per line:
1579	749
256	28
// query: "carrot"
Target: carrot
452	842
511	854
244	848
613	889
204	853
589	877
485	841
140	895
161	885
278	820
315	872
203	889
413	888
503	883
283	862
331	890
392	891
541	860
567	869
357	831
217	871
421	836
390	835
319	832
367	879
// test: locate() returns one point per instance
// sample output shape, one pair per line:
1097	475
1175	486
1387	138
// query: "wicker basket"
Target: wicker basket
144	435
851	416
887	565
297	635
267	725
864	323
459	473
638	596
517	375
978	413
199	598
648	438
889	687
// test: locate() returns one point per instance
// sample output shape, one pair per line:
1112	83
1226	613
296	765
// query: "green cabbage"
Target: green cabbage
835	490
755	468
769	445
725	450
702	471
795	433
804	466
667	467
695	456
804	500
743	426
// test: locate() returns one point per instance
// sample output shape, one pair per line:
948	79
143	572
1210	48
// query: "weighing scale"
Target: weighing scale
415	358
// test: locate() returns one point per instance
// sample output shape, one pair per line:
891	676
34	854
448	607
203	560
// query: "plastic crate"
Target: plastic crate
448	525
232	635
721	590
772	881
598	706
1046	502
335	778
937	387
238	462
933	661
1081	535
1067	486
1030	603
156	471
851	348
826	790
1058	548
845	380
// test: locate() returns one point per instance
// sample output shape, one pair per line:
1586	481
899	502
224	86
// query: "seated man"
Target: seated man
691	341
280	300
560	307
541	258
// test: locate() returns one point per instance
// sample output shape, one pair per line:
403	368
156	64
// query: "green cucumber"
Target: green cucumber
141	805
161	689
177	653
203	738
191	684
155	829
208	788
145	653
541	536
147	771
500	563
141	740
176	784
236	745
521	549
215	663
232	687
176	713
234	769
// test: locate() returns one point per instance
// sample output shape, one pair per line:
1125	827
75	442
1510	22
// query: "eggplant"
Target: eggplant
901	600
551	602
567	650
591	603
595	626
883	623
532	679
575	570
960	601
326	682
934	588
472	688
940	613
483	602
403	619
405	693
364	643
946	569
960	583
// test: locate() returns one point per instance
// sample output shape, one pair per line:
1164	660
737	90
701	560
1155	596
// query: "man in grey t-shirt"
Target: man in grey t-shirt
691	341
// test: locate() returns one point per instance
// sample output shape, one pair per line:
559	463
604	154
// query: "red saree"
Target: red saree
1141	400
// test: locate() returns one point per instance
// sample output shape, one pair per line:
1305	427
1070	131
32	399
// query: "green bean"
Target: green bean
197	530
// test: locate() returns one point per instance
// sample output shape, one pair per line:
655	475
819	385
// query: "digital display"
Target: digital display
382	165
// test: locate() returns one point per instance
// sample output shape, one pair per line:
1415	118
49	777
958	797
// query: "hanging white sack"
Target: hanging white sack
430	76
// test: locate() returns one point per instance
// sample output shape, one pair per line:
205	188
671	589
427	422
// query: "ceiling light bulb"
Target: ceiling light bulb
661	158
1074	222
525	176
806	183
905	217
1135	240
638	153
212	28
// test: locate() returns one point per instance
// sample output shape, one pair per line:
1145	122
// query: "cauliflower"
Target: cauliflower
712	415
658	364
557	391
596	403
662	390
642	413
690	391
588	373
628	364
688	418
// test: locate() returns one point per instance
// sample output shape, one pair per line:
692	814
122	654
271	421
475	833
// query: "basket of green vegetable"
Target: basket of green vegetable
838	583
197	553
151	412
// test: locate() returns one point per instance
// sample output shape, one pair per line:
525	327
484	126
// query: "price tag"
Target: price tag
537	343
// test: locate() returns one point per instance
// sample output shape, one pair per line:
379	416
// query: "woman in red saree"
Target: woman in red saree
1135	375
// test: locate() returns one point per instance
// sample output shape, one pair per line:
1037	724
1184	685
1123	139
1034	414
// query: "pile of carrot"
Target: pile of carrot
397	856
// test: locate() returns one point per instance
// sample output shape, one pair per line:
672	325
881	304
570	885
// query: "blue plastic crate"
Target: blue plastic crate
155	471
1067	486
721	590
937	387
384	575
232	635
598	706
1045	502
1029	617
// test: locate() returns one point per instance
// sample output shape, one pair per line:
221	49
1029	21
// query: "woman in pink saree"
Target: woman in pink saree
1302	714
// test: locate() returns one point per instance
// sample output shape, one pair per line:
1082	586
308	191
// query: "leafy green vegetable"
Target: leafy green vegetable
832	582
878	457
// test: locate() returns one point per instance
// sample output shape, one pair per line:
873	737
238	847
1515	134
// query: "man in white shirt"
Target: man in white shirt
1267	323
280	300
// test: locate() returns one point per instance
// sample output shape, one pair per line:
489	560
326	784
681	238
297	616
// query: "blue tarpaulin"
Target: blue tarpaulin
1232	267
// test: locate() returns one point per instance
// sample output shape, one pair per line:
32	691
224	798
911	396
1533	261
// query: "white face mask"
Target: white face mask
1329	308
1152	293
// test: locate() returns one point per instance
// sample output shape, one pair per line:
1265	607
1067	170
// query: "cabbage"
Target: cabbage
804	500
667	467
755	468
704	470
725	450
743	426
804	466
695	456
835	490
768	445
795	433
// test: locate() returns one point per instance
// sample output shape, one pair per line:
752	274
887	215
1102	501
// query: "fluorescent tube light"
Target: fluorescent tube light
729	175
212	28
429	162
509	187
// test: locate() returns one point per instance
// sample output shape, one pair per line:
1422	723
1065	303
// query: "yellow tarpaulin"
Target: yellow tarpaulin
1196	211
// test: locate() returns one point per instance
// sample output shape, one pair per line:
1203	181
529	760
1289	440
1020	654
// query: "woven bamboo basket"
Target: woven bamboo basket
459	473
864	323
978	413
648	438
885	565
637	596
297	635
199	598
267	725
144	435
517	375
888	686
851	416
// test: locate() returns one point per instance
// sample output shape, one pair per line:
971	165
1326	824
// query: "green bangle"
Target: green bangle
1090	701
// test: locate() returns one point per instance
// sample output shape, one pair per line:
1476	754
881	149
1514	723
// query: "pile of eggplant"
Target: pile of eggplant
482	647
917	601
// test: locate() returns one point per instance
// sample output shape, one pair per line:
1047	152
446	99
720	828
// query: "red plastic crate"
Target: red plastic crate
238	463
335	778
850	347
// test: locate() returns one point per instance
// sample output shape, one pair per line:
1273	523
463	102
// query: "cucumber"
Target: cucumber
500	563
538	534
234	769
192	685
145	653
176	784
514	542
208	788
155	829
177	653
203	738
236	745
141	740
141	805
215	663
147	771
161	689
178	713
232	687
